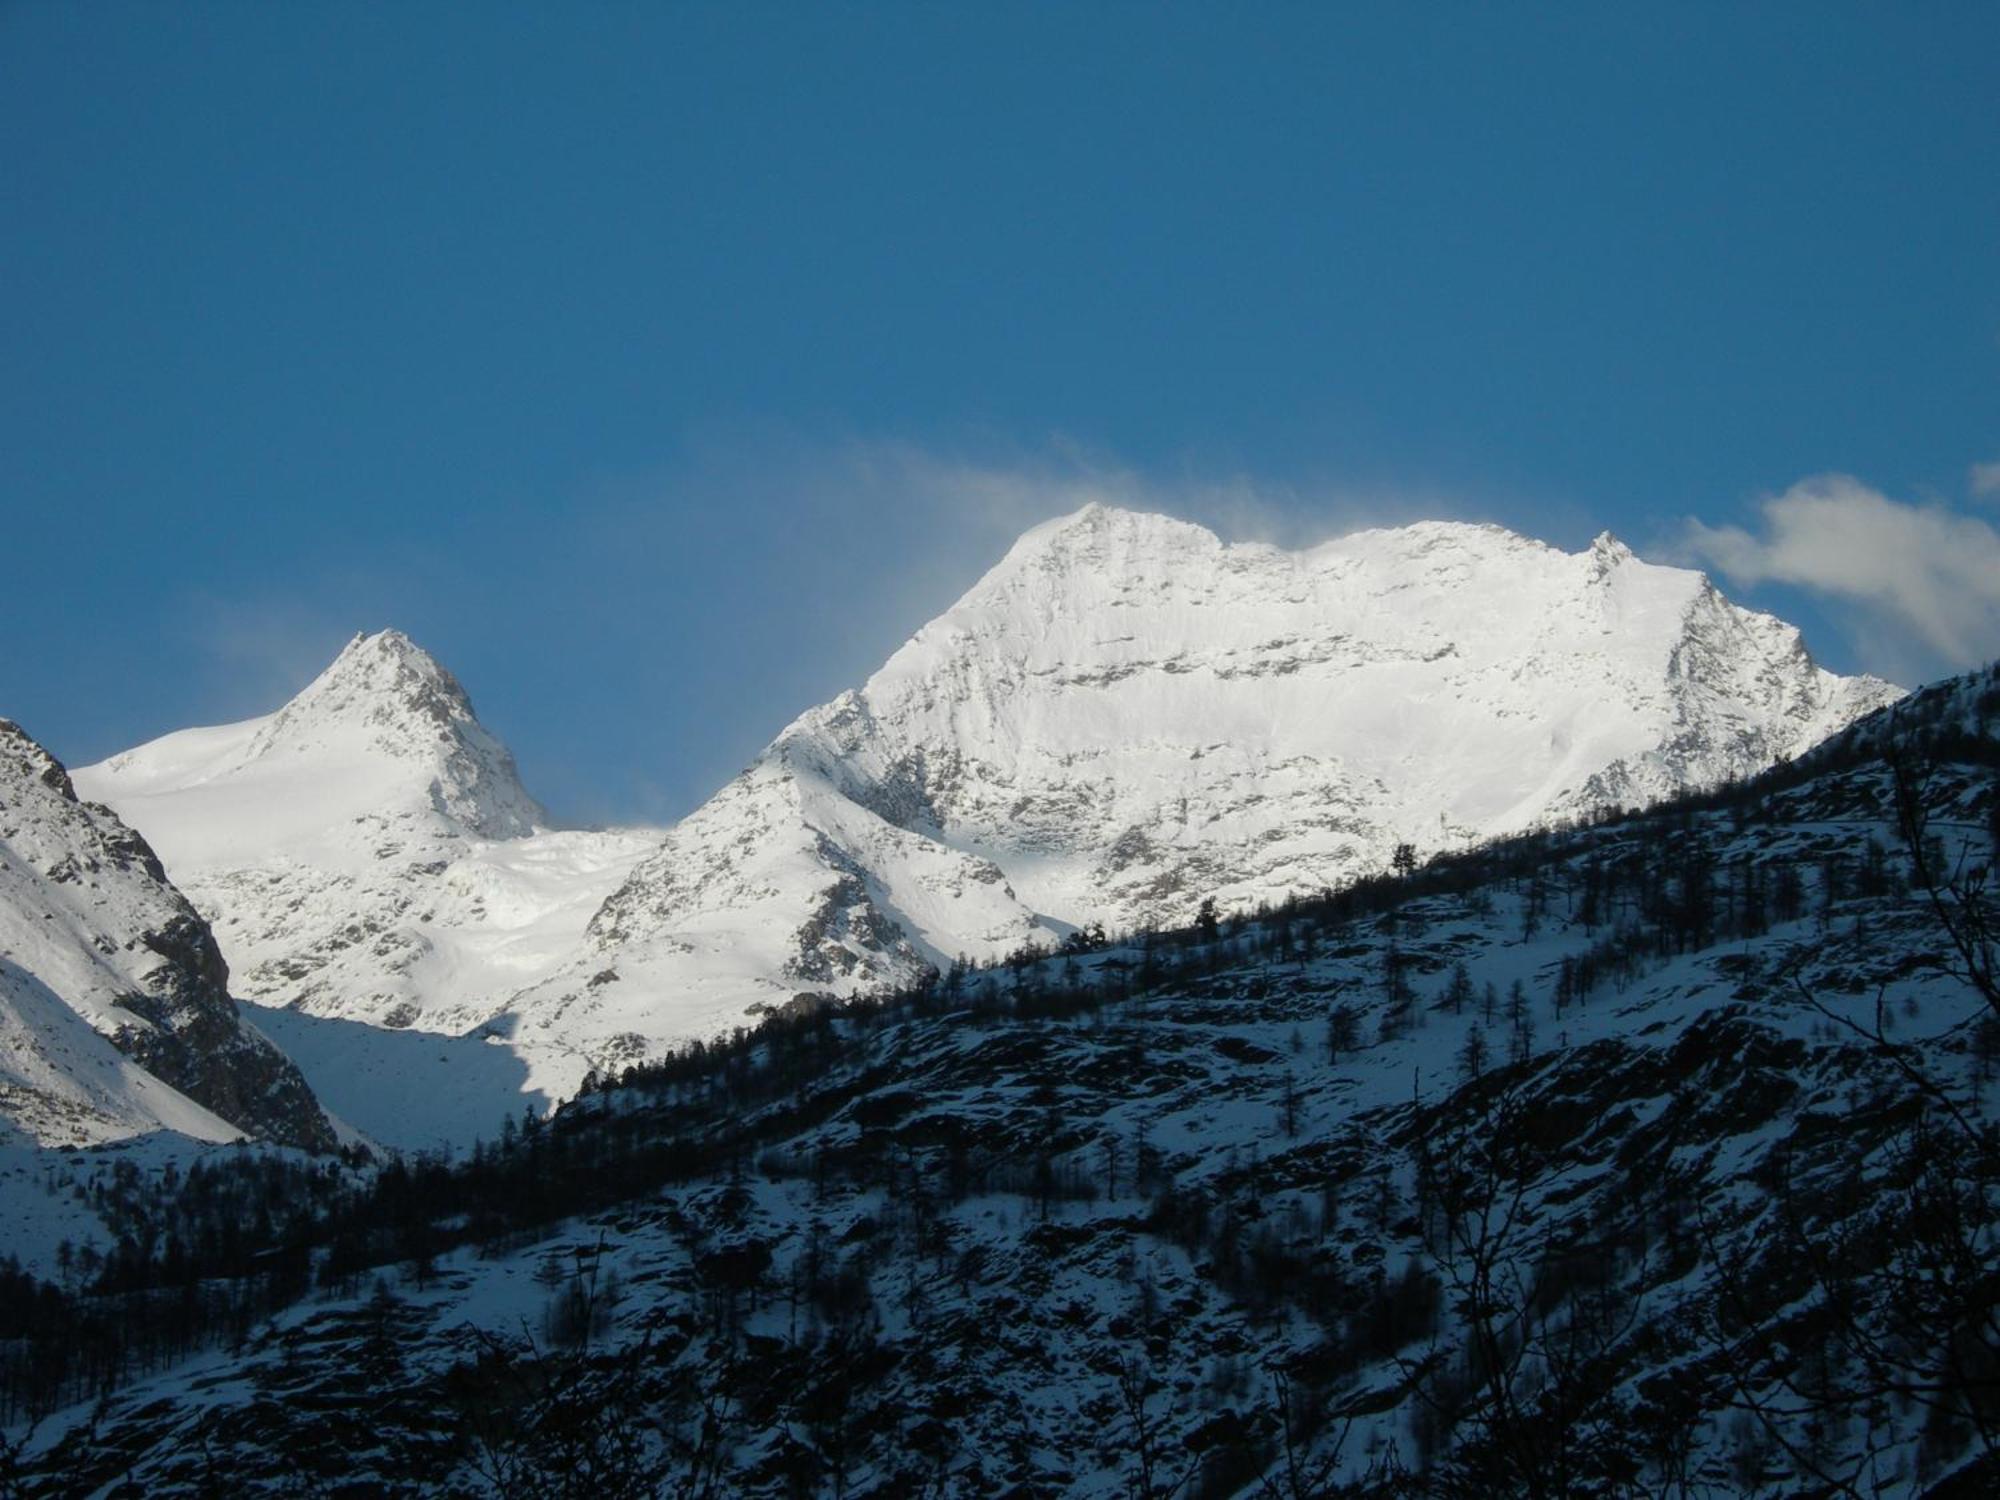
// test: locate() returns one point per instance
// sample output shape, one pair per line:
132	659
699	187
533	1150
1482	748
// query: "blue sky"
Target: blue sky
659	366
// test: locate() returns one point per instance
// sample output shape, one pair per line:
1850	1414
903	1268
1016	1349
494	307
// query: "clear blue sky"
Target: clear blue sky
633	358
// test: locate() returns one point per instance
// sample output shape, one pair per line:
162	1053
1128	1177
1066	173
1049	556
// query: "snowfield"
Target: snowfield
1124	717
115	1019
1668	1110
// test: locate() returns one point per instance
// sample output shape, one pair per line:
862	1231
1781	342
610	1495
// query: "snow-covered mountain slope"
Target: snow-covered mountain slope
368	852
115	1016
1125	717
1653	1157
1128	716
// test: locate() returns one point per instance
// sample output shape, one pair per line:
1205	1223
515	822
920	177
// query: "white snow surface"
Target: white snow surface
1036	1310
76	899
368	852
1128	715
1125	716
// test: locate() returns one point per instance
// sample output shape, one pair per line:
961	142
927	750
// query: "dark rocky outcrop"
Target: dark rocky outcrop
160	984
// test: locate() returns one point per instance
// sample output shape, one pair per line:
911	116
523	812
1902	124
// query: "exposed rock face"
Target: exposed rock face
368	850
1124	717
1127	716
97	948
1689	1111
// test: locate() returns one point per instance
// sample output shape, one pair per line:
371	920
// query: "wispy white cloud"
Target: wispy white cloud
256	653
1984	481
810	558
1925	571
1007	495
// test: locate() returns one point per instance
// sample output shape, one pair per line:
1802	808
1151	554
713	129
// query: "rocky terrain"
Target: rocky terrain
115	1013
368	852
1650	1156
1124	718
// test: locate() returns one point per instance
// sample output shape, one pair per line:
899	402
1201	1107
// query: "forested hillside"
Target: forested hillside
1648	1157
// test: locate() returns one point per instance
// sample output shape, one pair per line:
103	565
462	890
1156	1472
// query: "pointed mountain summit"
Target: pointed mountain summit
1124	717
1127	716
385	731
368	850
391	694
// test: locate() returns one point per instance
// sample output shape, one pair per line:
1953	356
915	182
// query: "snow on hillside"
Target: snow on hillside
1124	717
1240	1212
1128	716
406	1089
114	1014
368	851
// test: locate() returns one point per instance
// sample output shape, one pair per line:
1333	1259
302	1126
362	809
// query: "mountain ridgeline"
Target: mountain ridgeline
1646	1156
115	1014
1428	1015
1125	717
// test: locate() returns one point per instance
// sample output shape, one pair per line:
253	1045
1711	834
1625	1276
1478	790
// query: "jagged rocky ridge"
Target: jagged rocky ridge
115	1014
1125	717
368	851
1651	1157
1128	716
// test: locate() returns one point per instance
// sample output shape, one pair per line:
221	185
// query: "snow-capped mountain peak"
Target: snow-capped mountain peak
1128	715
368	850
384	679
1124	717
1605	544
384	735
1100	532
387	696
